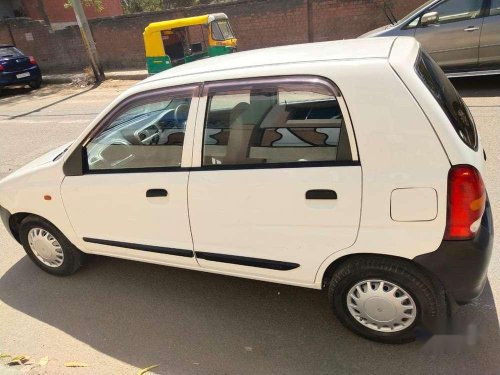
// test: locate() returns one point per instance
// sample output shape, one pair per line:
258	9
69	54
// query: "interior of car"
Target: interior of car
121	144
251	126
272	127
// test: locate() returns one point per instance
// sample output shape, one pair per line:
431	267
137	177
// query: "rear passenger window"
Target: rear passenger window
458	10
273	124
495	8
448	98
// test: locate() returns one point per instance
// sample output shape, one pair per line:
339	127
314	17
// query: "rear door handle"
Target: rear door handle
152	193
321	194
471	28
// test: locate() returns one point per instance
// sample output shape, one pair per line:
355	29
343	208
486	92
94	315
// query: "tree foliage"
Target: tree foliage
96	4
138	6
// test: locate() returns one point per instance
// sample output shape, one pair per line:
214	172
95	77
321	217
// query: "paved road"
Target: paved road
118	316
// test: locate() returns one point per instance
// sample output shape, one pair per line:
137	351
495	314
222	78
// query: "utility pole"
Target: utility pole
41	9
88	40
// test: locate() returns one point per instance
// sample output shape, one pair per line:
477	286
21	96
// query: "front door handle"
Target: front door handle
321	194
152	193
471	28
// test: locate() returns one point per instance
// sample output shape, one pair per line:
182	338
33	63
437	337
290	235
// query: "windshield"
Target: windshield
10	52
221	30
415	12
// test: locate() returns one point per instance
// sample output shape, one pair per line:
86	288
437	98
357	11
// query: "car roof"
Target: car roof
365	48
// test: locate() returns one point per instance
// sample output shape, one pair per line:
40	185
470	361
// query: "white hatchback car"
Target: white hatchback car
352	166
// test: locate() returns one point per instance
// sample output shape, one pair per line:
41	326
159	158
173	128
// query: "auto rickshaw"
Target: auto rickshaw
179	41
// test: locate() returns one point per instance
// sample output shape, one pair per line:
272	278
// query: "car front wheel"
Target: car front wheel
386	299
48	247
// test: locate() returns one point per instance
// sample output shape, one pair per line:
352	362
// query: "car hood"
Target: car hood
44	159
376	32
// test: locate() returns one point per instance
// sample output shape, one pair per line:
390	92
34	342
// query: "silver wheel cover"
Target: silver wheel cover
381	305
45	247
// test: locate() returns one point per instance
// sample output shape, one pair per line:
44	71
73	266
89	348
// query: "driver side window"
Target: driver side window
148	133
458	10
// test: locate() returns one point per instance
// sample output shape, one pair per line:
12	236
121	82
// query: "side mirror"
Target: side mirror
430	18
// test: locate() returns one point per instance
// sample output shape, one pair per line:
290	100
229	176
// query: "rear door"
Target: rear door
278	187
454	41
489	50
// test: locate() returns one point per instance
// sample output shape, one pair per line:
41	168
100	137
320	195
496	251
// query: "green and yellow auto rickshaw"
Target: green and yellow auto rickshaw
179	41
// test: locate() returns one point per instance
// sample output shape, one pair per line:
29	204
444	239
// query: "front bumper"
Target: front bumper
10	78
462	266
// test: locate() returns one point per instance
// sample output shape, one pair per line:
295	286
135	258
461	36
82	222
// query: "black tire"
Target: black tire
36	84
429	297
73	258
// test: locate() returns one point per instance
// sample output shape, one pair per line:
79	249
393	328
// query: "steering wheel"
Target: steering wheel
111	157
181	113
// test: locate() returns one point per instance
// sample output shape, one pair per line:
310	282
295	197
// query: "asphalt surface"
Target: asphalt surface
118	316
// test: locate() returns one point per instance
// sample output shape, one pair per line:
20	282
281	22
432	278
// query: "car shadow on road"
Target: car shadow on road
478	87
195	322
12	93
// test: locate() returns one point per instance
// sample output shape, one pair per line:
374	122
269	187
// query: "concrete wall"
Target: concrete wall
257	24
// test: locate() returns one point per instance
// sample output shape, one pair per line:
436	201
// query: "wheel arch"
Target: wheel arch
16	219
333	266
15	223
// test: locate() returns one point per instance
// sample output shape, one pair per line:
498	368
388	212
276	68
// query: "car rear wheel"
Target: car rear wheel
48	247
36	83
386	299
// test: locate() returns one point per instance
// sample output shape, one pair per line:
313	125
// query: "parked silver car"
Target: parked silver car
463	36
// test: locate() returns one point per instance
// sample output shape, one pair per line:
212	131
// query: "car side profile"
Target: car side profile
462	36
350	166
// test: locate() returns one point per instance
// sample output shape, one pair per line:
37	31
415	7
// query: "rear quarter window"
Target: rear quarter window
448	98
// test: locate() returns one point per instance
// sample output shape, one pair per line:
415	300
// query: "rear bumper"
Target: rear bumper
10	78
462	266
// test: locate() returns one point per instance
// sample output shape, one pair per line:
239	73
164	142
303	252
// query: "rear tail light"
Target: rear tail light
32	60
466	202
1	68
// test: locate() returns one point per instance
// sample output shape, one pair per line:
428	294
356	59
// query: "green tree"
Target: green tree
137	6
97	4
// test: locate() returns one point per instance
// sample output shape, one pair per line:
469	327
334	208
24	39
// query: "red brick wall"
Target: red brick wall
342	19
58	13
257	24
58	51
5	34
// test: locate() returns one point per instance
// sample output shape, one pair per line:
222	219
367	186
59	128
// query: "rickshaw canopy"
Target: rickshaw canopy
152	33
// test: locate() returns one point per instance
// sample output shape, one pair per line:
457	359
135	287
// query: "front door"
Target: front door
131	201
279	184
454	40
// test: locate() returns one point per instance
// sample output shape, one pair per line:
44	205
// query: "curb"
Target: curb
56	79
123	76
